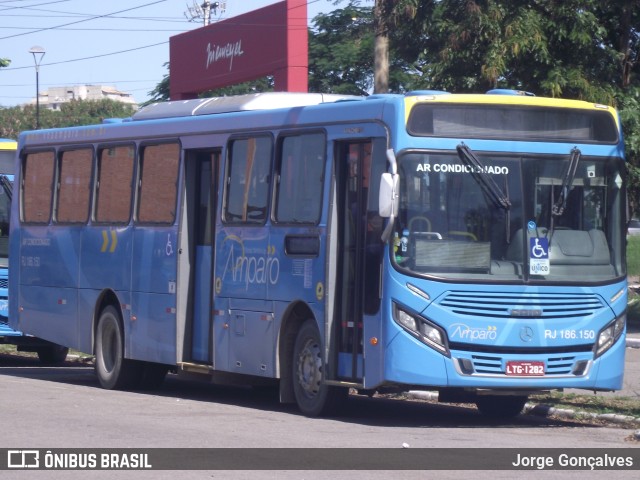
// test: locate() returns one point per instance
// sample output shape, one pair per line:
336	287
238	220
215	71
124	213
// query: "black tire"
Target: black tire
52	354
313	396
112	369
499	406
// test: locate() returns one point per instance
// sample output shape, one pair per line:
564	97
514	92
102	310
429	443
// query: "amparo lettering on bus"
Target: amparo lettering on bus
458	168
241	267
462	331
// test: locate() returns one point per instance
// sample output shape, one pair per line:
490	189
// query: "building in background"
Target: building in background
54	97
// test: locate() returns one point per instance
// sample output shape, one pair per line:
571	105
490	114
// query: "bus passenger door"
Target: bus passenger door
359	254
201	168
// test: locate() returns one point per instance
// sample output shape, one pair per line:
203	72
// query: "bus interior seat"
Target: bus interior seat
573	247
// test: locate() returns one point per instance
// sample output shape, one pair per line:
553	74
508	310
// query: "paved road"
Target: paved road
64	407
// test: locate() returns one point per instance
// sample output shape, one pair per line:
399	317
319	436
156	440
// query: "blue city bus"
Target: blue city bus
47	352
472	245
7	160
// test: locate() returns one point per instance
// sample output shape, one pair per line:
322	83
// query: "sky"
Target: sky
122	43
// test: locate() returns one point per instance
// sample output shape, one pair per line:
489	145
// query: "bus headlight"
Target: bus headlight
421	328
609	335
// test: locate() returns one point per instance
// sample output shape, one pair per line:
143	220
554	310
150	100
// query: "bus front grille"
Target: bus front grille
521	305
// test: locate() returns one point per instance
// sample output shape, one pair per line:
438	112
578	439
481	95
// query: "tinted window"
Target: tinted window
37	175
512	122
248	170
74	186
114	187
299	197
158	183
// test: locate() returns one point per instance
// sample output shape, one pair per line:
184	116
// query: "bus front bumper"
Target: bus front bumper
413	363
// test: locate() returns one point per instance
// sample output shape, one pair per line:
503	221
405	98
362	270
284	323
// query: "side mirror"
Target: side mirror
388	201
388	197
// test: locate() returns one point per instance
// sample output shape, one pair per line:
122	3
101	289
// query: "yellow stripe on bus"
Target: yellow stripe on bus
472	98
8	145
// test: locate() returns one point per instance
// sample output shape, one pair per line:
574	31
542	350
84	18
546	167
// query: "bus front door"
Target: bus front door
353	278
357	297
201	177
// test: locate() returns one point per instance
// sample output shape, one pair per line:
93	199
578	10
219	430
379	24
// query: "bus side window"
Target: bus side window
74	186
248	180
37	187
301	170
115	184
158	185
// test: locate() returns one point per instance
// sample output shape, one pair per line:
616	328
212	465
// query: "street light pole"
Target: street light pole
38	53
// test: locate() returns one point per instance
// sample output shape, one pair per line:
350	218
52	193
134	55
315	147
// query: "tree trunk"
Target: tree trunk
381	17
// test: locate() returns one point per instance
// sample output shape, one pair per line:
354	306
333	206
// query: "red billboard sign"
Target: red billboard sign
269	41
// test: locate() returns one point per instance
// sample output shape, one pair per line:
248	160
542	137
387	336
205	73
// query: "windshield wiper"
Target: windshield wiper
567	182
489	186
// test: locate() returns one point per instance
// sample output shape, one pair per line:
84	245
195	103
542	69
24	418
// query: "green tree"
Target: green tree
389	18
4	62
550	48
340	51
621	20
76	112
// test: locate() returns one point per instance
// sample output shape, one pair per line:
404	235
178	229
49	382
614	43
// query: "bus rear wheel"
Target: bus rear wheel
112	369
313	396
501	406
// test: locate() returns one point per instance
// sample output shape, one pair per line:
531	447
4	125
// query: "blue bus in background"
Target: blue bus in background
7	160
47	352
468	244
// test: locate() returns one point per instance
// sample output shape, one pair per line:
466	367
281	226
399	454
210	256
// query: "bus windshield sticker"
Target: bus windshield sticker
538	256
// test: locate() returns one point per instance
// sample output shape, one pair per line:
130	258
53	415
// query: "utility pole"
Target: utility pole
203	11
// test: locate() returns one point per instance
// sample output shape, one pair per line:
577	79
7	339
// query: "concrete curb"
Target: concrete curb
633	342
547	411
542	410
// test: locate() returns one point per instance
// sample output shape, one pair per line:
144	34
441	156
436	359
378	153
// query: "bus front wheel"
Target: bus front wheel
313	396
112	369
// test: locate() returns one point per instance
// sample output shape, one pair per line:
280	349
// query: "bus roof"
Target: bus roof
183	117
276	100
237	103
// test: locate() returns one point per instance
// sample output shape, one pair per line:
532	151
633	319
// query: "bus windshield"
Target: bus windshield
519	219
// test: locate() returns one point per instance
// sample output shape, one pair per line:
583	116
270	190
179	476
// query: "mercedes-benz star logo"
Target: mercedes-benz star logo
526	334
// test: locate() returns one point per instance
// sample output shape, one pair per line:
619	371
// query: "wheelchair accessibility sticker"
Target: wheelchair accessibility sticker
538	256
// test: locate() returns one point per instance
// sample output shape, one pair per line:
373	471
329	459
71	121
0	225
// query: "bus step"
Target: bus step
195	367
338	383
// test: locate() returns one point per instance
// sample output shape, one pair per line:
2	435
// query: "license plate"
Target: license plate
525	369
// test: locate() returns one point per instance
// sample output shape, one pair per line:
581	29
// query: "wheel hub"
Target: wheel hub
310	368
